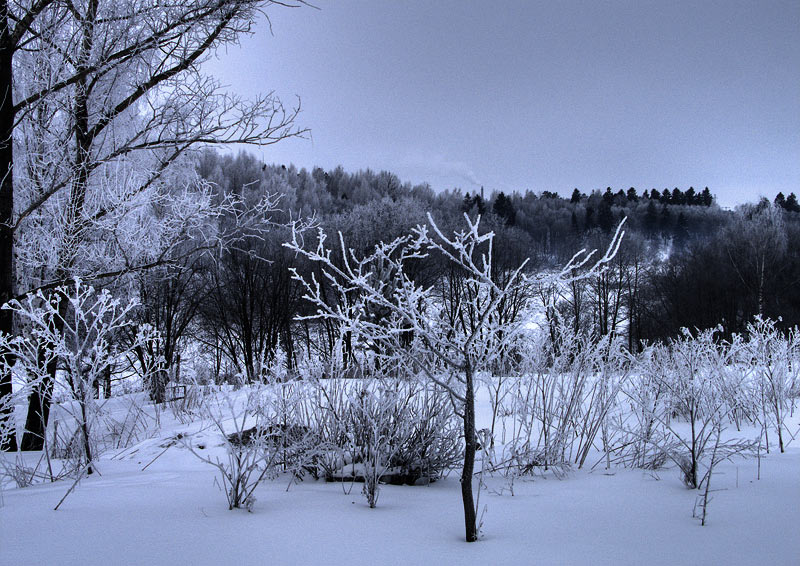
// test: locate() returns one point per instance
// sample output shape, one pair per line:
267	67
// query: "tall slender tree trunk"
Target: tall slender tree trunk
6	206
39	403
471	445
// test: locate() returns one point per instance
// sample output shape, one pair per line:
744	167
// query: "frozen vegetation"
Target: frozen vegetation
584	453
206	359
563	445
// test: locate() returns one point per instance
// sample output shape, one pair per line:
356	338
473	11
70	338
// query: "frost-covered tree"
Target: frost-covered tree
100	100
444	338
78	339
756	244
683	403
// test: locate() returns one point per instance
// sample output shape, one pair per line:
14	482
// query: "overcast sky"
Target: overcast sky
540	96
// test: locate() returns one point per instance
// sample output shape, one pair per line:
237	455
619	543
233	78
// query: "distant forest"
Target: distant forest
684	261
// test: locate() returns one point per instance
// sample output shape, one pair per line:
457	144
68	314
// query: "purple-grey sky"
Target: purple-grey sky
540	96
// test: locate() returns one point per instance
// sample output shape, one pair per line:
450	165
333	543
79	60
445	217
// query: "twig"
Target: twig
75	483
170	445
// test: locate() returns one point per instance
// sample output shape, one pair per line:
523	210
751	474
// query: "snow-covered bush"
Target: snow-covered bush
401	433
642	437
687	403
248	458
774	359
736	385
562	400
258	435
381	430
377	430
432	447
71	333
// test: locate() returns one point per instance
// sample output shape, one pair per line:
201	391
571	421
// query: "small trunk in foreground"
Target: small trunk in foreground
470	518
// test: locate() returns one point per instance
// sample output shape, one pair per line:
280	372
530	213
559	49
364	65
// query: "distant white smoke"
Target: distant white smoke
434	167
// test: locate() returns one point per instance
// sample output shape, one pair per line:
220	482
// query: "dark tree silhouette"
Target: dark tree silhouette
504	208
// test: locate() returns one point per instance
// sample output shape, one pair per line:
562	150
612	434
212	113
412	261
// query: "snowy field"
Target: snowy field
174	513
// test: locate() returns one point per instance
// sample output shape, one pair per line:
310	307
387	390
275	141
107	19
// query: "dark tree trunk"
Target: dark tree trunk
158	385
107	382
176	365
87	448
288	346
39	403
471	445
6	204
41	397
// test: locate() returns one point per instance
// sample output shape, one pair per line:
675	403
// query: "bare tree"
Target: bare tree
170	297
453	337
252	299
756	245
100	95
79	344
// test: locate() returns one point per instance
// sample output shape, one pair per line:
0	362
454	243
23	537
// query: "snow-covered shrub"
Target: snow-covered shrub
248	458
323	409
642	437
377	432
531	432
385	429
690	406
401	433
61	458
19	472
736	385
432	446
775	362
610	365
298	443
256	435
562	400
381	430
74	329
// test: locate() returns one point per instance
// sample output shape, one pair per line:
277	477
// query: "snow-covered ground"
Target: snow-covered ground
174	513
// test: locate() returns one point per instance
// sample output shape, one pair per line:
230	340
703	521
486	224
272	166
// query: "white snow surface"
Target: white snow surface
174	513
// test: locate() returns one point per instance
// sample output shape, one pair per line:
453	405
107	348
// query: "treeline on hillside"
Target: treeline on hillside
684	261
219	289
